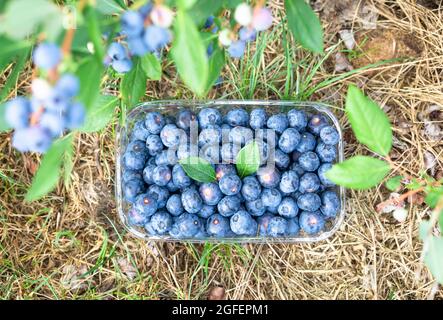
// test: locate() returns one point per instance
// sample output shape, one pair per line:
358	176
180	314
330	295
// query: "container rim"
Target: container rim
180	103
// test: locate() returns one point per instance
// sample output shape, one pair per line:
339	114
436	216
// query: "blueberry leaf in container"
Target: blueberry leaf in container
248	160
198	169
370	124
359	172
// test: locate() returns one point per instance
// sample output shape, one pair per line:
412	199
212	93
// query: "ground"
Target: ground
72	245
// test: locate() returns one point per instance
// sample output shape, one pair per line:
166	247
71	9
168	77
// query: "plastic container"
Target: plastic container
171	108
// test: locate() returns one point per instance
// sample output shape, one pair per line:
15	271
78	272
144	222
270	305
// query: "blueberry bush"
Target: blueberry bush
372	128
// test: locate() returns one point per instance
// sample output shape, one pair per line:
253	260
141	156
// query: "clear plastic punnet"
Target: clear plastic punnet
171	108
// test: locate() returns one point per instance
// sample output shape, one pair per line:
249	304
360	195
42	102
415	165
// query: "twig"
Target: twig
398	200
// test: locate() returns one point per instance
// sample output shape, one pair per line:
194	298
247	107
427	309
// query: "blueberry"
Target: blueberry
247	34
209	22
169	120
161	175
289	140
289	182
258	118
191	200
307	142
263	224
251	188
228	205
293	227
297	119
161	194
131	174
47	56
240	135
262	19
161	222
309	161
132	188
271	197
150	161
210	153
17	113
166	157
330	204
137	146
230	184
210	193
184	119
218	226
277	227
34	139
139	132
268	177
137	217
309	182
229	152
311	222
202	233
154	122
316	123
53	123
174	205
154	144
267	135
273	210
171	186
322	174
208	117
263	150
224	169
156	38
149	229
186	150
281	159
122	66
288	208
147	174
309	202
256	207
132	23
137	46
243	224
146	203
326	153
68	85
329	135
172	136
278	122
133	161
206	211
237	49
180	178
237	117
212	135
298	169
186	225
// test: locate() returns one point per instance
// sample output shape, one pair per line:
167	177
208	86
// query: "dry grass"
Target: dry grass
71	245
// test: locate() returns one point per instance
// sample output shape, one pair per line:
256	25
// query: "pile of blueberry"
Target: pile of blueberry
288	194
51	110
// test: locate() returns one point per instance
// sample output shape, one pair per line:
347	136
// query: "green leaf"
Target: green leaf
394	183
216	63
304	25
231	4
94	32
10	51
185	4
359	172
152	66
248	159
424	229
90	75
23	17
198	169
434	196
370	124
413	185
109	7
68	163
202	9
133	85
100	114
189	54
4	126
48	173
434	256
12	79
440	220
